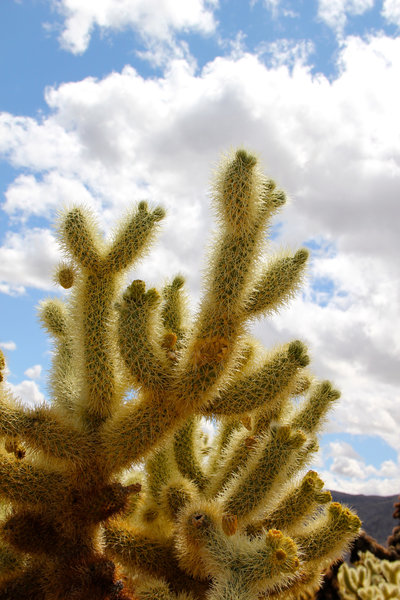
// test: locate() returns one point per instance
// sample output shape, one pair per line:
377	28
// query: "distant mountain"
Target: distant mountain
375	513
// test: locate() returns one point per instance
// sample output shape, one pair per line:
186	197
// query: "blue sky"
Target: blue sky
118	101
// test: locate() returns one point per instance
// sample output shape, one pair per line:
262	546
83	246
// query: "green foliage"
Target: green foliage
370	579
114	495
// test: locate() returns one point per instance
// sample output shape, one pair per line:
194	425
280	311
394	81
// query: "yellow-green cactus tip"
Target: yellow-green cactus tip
159	213
65	276
178	282
279	198
135	291
301	255
298	439
269	186
324	497
143	206
326	388
336	508
152	296
297	351
2	361
244	157
310	479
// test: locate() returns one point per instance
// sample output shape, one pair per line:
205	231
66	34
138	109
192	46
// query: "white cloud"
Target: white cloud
21	137
34	372
386	486
28	392
152	19
30	196
27	259
343	449
349	472
332	144
273	6
348	467
286	52
391	11
10	346
335	12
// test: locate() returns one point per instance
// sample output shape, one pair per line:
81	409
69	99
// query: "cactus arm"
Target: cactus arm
226	429
263	472
56	320
134	431
236	455
79	236
93	312
176	495
186	456
241	210
158	471
348	581
96	295
43	430
297	504
133	238
204	545
172	311
320	400
262	386
28	484
302	456
329	535
231	586
150	555
278	283
143	357
138	550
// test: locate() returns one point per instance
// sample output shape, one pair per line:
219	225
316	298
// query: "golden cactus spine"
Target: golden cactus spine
237	520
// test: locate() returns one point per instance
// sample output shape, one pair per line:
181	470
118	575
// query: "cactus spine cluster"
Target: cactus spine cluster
114	495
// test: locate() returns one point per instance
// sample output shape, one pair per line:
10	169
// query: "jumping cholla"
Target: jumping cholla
111	491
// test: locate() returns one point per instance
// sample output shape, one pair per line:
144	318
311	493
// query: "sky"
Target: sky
109	102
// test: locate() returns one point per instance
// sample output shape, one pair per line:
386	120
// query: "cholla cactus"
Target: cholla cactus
235	520
370	579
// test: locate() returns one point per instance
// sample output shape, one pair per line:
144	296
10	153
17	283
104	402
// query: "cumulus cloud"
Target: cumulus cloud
28	392
387	486
331	144
27	259
154	19
30	196
391	11
286	52
34	372
8	345
349	472
335	12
